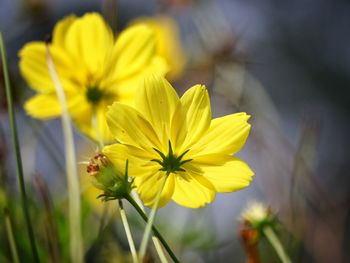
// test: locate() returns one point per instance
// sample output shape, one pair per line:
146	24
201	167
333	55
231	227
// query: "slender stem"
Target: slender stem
10	237
15	142
276	244
76	240
51	227
155	230
159	249
128	232
155	240
151	218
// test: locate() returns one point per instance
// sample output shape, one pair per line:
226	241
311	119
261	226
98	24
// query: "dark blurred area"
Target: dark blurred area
286	63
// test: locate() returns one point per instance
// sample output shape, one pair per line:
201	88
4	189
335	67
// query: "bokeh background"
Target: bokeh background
287	63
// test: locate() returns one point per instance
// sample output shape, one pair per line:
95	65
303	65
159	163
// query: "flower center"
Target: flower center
171	163
94	95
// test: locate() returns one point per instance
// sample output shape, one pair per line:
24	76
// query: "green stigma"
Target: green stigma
94	95
171	163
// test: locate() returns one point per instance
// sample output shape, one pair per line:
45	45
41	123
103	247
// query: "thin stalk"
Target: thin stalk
10	237
15	143
155	240
76	240
276	244
128	232
51	228
159	249
154	229
152	216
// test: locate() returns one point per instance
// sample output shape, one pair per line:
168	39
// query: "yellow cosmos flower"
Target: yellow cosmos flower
95	69
168	42
168	136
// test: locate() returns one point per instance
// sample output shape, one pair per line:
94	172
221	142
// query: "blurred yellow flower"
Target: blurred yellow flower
94	68
168	42
175	137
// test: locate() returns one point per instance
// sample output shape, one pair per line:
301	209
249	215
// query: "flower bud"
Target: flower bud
106	177
257	216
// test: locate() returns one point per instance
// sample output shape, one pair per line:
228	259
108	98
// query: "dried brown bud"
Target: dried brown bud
96	163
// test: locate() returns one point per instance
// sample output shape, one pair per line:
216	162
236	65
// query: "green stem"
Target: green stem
75	231
15	142
276	244
155	240
151	218
11	238
159	249
154	229
128	232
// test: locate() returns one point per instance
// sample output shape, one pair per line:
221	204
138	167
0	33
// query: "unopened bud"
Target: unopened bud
257	216
114	184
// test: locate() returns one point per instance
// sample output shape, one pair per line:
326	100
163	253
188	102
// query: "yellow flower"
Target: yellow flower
175	137
168	42
95	69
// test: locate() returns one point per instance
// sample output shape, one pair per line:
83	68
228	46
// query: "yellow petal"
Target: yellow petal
225	172
93	123
157	65
168	42
78	106
196	104
43	106
149	186
126	89
129	127
134	50
178	128
189	192
60	30
226	135
196	173
139	160
156	101
90	41
33	66
102	134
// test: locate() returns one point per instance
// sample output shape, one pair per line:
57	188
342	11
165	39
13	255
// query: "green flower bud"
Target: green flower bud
112	182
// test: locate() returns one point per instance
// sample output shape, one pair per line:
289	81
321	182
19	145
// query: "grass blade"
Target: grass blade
15	142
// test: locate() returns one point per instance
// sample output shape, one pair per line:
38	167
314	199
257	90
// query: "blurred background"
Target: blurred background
286	63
